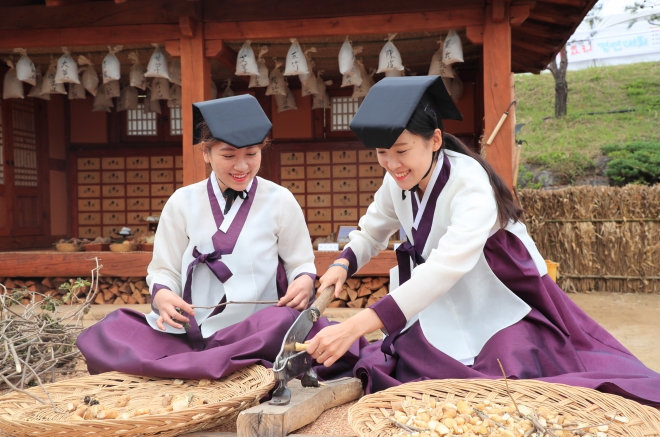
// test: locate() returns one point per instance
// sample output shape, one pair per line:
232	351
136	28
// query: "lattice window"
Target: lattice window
176	121
2	151
25	143
141	124
343	109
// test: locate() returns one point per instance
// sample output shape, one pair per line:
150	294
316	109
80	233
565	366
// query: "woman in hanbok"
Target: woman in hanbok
470	286
232	237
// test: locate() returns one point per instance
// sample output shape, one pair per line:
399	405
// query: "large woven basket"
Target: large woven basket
367	416
68	247
21	415
117	247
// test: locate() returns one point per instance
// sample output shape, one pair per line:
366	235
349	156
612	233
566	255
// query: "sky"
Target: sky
611	7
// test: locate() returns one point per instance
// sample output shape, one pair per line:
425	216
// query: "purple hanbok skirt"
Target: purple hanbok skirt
125	342
556	342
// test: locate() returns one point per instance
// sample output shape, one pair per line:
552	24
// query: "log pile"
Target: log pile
360	292
117	291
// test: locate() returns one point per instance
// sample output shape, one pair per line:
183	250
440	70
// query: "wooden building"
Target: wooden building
69	171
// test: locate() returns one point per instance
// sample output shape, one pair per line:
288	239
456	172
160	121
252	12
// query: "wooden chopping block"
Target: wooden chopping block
307	404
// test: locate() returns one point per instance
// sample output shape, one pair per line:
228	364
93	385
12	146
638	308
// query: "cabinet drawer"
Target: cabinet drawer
345	214
162	176
348	199
138	204
344	171
344	156
344	185
112	231
368	156
114	177
162	189
90	232
114	190
366	199
89	177
158	204
319	214
89	205
89	218
370	184
370	170
89	164
114	218
137	176
293	173
137	190
318	171
292	158
300	198
89	191
135	218
318	186
178	162
363	211
114	204
162	161
177	186
178	176
319	229
294	186
112	163
318	157
318	201
138	162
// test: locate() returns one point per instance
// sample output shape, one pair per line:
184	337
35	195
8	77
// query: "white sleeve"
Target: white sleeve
169	246
294	246
376	226
473	214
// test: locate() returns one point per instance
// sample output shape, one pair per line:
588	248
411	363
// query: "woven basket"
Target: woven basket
21	415
68	247
367	418
132	247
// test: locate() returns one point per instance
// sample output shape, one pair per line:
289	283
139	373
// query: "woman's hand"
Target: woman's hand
166	302
335	276
298	294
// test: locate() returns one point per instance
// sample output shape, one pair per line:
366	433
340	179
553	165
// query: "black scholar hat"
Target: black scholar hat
387	108
238	121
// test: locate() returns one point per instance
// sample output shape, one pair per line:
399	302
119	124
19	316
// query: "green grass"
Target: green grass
569	145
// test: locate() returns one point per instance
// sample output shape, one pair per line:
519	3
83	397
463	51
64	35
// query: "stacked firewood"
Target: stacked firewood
117	291
361	292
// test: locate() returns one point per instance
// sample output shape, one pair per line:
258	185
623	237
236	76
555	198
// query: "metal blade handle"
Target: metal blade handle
323	301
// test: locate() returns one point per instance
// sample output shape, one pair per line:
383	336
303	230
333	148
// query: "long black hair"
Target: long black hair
424	122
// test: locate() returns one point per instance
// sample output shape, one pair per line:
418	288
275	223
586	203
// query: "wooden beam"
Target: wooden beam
341	26
120	1
92	36
475	34
187	25
533	47
73	264
195	87
173	47
519	14
51	3
215	48
499	7
537	28
497	93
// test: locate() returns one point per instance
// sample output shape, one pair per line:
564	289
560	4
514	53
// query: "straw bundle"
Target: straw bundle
604	238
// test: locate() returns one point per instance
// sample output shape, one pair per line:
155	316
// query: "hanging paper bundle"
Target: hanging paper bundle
286	102
276	84
151	106
394	73
246	65
447	82
111	68
214	91
128	99
67	70
228	92
112	89
346	57
389	58
136	75
296	62
77	90
49	85
456	89
157	66
453	49
367	82
308	80
175	71
437	67
25	71
35	91
90	77
160	89
353	76
321	99
260	80
175	96
101	102
13	88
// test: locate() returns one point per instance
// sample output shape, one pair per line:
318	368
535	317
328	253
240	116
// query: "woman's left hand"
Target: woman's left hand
332	342
298	294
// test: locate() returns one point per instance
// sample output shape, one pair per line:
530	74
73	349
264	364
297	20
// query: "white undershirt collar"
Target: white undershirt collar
229	217
427	192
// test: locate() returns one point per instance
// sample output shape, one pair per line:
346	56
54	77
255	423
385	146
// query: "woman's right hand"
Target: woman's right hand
334	276
166	302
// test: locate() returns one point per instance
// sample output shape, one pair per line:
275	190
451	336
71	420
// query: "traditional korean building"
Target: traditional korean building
69	171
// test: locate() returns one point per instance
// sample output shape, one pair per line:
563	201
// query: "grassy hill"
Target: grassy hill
570	147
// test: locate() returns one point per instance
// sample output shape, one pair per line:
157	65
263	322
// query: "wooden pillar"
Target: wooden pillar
195	87
497	88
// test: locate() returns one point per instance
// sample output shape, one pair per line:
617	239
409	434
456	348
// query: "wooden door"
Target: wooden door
5	161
